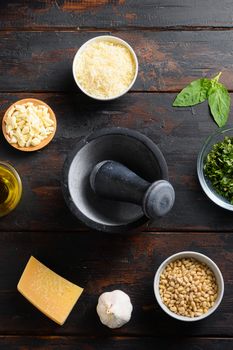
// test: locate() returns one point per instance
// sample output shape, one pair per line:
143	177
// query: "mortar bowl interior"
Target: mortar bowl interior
129	147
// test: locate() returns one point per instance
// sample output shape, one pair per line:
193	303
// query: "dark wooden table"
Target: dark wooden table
176	41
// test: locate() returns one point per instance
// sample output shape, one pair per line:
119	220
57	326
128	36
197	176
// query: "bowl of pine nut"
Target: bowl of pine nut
188	286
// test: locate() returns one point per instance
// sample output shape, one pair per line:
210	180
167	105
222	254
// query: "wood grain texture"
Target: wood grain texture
176	41
114	13
101	262
42	61
100	343
179	133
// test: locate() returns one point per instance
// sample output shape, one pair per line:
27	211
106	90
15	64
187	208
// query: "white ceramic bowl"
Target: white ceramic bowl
202	258
108	38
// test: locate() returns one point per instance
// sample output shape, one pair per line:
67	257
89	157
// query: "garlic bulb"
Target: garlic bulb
114	308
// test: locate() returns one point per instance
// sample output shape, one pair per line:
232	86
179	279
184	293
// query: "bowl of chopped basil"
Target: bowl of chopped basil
215	167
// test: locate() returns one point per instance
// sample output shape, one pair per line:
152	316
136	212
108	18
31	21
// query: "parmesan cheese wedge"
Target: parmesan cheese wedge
50	293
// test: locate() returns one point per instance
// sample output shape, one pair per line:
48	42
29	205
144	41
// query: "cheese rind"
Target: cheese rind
47	291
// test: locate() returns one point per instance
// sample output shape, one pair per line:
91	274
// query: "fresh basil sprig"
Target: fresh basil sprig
194	93
207	89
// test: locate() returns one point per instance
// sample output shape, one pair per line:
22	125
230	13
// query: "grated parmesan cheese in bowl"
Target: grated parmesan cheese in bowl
29	124
105	67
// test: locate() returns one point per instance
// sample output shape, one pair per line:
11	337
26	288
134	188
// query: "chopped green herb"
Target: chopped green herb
218	168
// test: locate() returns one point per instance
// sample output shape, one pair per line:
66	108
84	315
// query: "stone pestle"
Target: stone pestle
112	180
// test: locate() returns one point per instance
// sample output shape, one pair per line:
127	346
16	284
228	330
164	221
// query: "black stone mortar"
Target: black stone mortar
126	146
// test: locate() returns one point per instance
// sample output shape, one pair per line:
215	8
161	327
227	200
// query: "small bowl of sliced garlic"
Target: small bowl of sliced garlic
29	124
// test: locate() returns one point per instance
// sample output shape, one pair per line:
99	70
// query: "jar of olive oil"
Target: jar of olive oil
10	188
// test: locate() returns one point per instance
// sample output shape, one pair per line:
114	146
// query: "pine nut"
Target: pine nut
188	287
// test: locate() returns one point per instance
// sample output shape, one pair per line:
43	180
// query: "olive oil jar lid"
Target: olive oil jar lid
10	188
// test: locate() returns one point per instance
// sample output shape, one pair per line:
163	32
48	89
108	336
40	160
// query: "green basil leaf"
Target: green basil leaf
219	102
194	93
216	79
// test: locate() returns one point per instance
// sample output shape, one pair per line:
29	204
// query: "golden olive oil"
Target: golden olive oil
10	188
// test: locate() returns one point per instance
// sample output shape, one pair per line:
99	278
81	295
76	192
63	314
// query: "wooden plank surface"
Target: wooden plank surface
176	41
116	13
100	343
42	61
101	262
43	207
